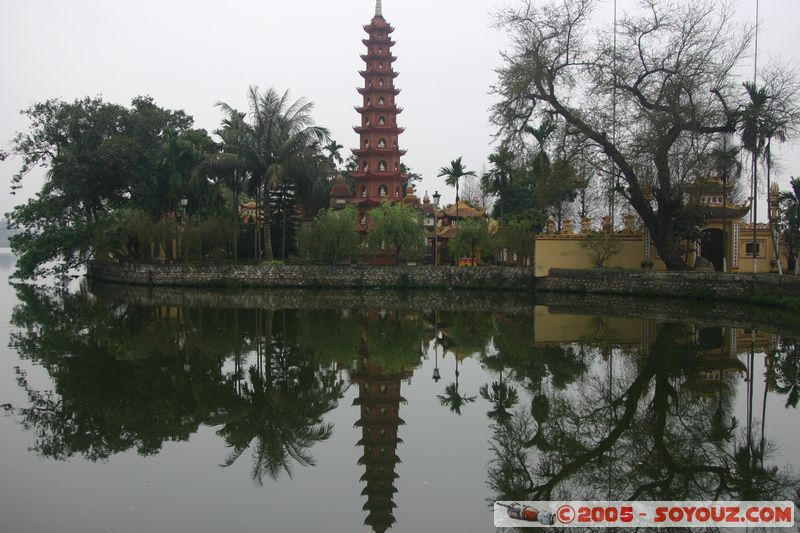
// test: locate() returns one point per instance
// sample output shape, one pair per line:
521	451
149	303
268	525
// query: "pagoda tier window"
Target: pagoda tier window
365	166
395	165
380	66
380	50
382	165
381	121
381	100
382	191
381	82
366	143
369	84
364	223
397	192
382	143
369	101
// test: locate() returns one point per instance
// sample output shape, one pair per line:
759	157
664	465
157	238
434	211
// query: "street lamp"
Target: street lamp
184	204
436	198
436	375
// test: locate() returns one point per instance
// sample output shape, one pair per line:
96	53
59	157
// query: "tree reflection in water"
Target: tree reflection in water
641	432
134	377
592	418
279	412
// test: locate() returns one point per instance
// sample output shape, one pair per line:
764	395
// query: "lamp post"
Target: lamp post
436	341
436	198
436	375
178	237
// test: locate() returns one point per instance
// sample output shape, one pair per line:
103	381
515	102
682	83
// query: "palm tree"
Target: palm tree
334	156
229	165
789	202
454	172
273	139
762	122
452	398
502	397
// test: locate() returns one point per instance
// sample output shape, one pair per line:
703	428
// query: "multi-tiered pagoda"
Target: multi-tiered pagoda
378	178
379	400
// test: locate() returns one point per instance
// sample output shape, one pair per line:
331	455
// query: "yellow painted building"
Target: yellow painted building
726	239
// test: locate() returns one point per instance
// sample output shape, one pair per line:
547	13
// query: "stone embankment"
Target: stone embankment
309	276
316	299
762	288
725	286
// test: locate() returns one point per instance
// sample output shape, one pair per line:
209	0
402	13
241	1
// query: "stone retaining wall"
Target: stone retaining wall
421	277
720	285
316	299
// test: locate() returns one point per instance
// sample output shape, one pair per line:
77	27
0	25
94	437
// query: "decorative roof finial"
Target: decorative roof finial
378	8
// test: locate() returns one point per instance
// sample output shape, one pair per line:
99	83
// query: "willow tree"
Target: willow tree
650	99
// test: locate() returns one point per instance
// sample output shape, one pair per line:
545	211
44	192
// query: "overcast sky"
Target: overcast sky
189	55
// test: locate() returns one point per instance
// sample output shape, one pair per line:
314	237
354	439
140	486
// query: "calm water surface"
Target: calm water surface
133	410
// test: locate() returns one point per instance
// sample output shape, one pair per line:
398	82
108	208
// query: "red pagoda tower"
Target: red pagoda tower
378	178
379	400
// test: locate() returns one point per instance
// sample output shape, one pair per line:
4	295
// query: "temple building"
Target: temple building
726	240
379	177
719	243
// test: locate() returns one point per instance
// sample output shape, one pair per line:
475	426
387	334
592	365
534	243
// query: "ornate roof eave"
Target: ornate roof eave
388	475
391	459
385	175
367	73
376	90
730	212
379	151
388	42
378	129
371	27
709	186
372	57
388	108
377	401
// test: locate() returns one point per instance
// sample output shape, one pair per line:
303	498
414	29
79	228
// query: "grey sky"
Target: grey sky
191	54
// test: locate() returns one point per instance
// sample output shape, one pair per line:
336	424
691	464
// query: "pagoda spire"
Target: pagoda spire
378	8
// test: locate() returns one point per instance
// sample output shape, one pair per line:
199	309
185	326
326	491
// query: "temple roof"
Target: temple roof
464	211
731	212
710	185
340	188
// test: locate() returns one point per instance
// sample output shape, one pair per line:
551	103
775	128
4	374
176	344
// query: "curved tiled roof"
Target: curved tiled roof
464	211
340	189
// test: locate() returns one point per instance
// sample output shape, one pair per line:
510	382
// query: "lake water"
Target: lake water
132	409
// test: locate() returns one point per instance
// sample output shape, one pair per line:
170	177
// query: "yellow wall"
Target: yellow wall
565	251
552	328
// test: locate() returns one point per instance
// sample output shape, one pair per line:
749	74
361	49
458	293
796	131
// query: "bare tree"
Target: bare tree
671	77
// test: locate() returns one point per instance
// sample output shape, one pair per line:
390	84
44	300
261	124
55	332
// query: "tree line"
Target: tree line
120	180
588	123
